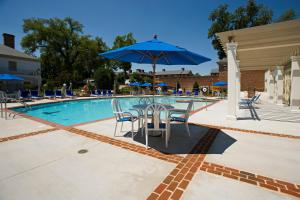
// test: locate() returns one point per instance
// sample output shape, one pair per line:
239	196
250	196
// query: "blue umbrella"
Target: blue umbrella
146	84
135	84
155	52
10	77
162	84
220	83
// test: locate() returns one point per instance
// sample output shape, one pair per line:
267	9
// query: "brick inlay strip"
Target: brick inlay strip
14	137
173	186
247	177
126	145
249	131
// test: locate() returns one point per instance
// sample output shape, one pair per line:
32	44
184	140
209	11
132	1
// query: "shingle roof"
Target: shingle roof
173	72
7	51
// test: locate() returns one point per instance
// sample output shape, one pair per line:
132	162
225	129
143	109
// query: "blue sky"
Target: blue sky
181	22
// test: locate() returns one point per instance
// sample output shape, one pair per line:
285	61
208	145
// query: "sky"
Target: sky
180	22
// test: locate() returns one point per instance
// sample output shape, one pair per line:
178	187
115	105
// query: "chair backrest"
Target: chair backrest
69	93
49	93
57	92
196	93
145	100
174	92
34	93
115	104
99	92
189	109
256	99
159	112
104	92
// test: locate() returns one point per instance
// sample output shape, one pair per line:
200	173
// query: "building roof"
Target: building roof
173	72
10	52
264	46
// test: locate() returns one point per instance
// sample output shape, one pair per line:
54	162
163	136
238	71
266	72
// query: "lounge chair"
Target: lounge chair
181	115
188	93
69	94
94	93
196	93
122	116
104	93
34	94
249	102
24	95
109	93
49	94
180	93
58	94
174	92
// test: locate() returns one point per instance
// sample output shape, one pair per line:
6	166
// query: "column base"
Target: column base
231	117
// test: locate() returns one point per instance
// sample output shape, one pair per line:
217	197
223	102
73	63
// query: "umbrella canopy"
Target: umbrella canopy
155	52
135	84
8	77
146	84
162	84
220	83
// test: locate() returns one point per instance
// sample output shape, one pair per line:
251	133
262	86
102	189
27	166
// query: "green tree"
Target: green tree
66	54
289	14
136	77
252	14
104	78
121	41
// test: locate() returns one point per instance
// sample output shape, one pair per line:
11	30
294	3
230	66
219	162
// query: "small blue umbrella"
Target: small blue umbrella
220	83
10	77
155	52
162	84
146	84
135	84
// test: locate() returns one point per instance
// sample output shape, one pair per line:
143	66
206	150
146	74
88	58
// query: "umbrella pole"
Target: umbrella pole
153	84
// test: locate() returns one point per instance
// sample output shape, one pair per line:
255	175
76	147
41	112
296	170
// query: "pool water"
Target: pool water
80	111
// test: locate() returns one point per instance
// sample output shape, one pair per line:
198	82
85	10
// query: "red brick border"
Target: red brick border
14	137
247	177
245	131
173	186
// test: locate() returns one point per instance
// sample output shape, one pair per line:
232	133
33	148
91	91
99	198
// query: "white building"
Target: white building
274	48
18	63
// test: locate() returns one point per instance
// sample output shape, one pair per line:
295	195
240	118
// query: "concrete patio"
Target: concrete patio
214	163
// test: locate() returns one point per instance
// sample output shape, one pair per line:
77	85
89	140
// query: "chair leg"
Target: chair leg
187	128
122	127
132	131
115	129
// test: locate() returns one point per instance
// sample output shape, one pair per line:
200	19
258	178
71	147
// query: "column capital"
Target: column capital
295	58
231	45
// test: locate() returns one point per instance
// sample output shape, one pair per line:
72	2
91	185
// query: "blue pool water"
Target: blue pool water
80	111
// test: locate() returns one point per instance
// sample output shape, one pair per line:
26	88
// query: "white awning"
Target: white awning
264	46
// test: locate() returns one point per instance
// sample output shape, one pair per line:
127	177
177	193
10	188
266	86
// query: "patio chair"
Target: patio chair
49	94
34	94
248	102
157	124
181	115
122	116
94	93
104	92
109	93
24	95
69	94
174	92
58	94
188	93
196	93
180	93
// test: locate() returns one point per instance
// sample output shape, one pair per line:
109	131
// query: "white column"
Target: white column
238	84
295	83
278	85
271	86
232	71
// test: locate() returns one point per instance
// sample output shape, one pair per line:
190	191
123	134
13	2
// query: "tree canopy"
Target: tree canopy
67	54
252	14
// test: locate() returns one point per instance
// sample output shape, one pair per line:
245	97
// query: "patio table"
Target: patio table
141	107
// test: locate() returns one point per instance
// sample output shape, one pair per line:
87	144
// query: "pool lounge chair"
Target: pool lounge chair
49	94
34	94
104	93
188	93
196	93
58	94
24	95
94	93
174	92
249	102
109	93
180	93
69	94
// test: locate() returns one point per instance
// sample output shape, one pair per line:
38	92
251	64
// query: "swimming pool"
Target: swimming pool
69	113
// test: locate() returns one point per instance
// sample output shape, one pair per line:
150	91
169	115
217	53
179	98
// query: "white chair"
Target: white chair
183	117
122	116
158	111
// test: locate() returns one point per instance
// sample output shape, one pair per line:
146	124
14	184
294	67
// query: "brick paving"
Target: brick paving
14	137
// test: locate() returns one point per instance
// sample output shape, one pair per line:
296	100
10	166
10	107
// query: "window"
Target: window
12	66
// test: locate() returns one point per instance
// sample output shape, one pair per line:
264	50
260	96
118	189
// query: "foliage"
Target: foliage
252	14
65	53
125	90
104	78
289	14
121	41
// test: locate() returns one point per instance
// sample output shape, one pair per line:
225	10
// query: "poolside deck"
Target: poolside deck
221	160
